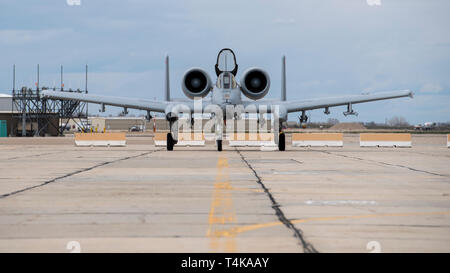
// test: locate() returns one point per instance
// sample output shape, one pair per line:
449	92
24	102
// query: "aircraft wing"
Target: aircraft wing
141	104
300	105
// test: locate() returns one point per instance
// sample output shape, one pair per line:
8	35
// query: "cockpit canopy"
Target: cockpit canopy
226	62
226	80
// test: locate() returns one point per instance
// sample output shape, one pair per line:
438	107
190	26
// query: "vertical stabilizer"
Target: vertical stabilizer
283	78
167	82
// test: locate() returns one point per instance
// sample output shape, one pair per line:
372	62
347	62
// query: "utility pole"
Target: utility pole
62	84
86	90
37	83
14	79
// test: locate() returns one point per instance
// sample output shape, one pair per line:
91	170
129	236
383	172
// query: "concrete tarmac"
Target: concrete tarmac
55	197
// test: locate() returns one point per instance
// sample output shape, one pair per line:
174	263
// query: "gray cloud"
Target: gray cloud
332	47
373	2
431	88
22	37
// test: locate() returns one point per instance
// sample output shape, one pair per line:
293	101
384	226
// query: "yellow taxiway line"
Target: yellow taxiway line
222	210
236	230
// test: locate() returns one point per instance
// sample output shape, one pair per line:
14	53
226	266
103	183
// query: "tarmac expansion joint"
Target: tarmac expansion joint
381	162
74	173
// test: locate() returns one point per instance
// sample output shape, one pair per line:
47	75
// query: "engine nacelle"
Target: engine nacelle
255	83
196	83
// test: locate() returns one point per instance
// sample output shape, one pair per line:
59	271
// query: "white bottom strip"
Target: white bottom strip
307	143
100	142
385	143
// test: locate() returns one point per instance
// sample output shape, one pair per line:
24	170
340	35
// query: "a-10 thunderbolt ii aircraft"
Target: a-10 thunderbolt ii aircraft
226	94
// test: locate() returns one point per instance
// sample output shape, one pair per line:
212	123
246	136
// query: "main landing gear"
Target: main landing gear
173	131
281	142
170	142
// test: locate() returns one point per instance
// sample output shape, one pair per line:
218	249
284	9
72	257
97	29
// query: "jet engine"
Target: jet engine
255	83
196	83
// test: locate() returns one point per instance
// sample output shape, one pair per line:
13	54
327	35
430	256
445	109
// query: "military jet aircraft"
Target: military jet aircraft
226	93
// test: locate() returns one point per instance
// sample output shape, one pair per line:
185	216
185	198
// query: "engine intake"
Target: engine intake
196	83
255	83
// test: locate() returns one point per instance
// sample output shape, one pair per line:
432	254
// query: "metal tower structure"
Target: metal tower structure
34	115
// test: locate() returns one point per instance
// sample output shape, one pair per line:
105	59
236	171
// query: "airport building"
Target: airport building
6	114
26	113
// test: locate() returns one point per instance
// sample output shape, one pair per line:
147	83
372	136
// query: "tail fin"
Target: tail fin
283	78
167	82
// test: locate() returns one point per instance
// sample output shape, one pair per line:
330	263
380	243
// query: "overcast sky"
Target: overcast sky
333	47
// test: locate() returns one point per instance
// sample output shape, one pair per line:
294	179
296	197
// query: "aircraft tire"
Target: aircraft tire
170	142
282	142
219	145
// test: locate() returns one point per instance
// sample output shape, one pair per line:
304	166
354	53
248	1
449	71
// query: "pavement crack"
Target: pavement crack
297	161
307	247
383	163
74	173
34	155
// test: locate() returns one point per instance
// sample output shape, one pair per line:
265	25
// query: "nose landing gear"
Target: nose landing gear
219	145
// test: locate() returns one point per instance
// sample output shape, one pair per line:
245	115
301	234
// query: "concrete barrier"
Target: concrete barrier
251	139
100	139
184	139
160	139
317	139
385	140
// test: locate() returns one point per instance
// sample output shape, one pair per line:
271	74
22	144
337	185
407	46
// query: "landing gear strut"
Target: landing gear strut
219	122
